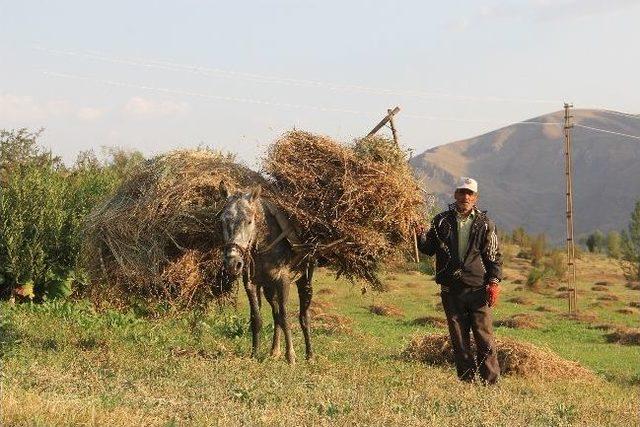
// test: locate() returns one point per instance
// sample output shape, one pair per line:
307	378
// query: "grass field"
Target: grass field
66	364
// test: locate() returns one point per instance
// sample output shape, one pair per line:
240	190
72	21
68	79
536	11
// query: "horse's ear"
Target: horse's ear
255	193
224	189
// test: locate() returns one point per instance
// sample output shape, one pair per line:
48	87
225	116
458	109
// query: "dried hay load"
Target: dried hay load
158	235
356	205
515	358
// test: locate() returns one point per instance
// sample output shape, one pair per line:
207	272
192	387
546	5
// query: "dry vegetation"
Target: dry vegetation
159	236
356	205
515	358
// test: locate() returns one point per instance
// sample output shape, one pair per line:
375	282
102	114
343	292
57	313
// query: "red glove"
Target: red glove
493	293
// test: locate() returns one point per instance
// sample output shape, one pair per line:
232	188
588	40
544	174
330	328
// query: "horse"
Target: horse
259	246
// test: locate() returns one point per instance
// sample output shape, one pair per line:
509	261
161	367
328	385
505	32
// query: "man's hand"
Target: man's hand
493	293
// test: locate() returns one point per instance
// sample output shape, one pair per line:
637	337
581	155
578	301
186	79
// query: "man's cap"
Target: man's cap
468	183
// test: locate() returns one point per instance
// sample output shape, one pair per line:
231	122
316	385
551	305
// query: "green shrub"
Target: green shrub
557	264
42	206
536	276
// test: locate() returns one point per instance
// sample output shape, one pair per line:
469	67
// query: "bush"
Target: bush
538	248
536	275
557	264
42	205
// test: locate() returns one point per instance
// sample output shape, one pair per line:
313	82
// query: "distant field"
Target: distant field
65	364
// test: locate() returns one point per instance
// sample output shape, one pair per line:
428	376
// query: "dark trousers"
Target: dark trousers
468	311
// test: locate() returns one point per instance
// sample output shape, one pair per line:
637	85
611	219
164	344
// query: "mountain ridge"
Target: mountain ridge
521	173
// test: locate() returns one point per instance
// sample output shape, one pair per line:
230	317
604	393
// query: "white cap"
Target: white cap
468	183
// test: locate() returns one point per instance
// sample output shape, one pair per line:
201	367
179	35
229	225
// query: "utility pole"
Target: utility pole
571	253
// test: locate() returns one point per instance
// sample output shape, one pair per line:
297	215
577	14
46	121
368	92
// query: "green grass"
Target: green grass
66	364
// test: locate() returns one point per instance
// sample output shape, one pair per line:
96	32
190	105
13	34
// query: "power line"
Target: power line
608	131
256	101
216	72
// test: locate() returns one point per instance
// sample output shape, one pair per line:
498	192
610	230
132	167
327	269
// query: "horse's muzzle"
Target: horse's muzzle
233	264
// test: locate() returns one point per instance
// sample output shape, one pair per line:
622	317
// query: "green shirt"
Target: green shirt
464	229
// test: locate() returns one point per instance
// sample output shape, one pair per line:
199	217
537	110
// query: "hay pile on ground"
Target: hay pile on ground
158	236
387	310
519	321
515	358
625	336
354	205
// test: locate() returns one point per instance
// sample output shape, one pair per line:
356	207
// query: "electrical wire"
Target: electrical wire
216	72
608	131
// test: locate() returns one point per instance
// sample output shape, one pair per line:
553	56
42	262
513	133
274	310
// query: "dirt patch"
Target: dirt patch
519	321
518	282
515	358
609	297
599	288
634	304
326	291
434	321
626	311
602	283
518	288
625	336
385	310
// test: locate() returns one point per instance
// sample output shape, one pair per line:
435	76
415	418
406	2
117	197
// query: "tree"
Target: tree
595	241
538	248
631	246
520	237
614	249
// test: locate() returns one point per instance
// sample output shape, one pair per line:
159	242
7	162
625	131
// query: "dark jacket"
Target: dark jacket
481	264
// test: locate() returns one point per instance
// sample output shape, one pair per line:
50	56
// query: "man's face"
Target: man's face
465	199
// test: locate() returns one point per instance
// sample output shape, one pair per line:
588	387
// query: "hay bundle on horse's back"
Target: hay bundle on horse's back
355	205
158	235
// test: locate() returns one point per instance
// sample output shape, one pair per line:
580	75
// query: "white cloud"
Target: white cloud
142	107
89	113
19	108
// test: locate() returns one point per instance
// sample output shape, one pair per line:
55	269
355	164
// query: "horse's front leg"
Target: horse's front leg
256	320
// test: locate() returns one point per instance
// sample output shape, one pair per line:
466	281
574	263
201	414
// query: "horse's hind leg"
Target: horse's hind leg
305	294
256	321
282	294
270	294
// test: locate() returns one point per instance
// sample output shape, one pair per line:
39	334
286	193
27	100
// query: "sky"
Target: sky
158	75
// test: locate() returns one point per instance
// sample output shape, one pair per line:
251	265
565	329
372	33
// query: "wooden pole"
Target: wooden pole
384	121
571	254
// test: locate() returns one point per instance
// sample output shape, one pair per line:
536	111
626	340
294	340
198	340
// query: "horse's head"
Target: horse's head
238	218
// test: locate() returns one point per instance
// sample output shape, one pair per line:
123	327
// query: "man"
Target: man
469	270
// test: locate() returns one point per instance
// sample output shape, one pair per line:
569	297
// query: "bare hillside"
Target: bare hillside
521	172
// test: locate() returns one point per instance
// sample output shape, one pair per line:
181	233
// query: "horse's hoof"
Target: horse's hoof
291	359
275	354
